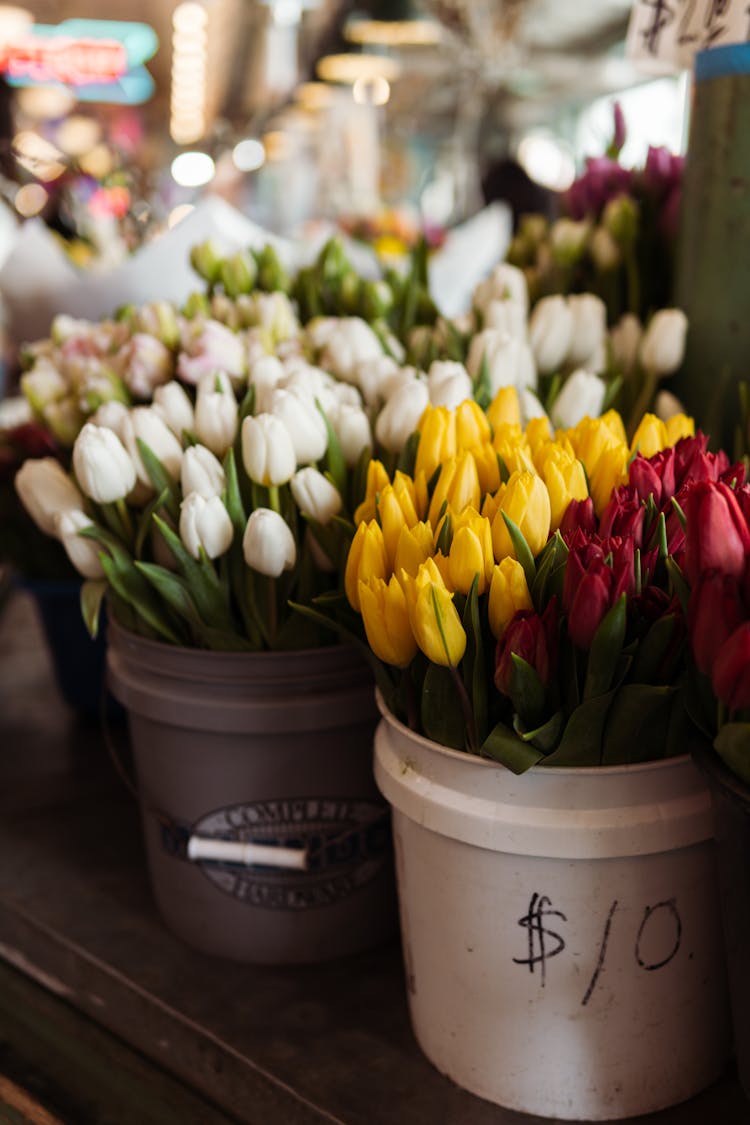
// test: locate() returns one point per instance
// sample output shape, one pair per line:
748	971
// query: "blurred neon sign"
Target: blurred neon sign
102	59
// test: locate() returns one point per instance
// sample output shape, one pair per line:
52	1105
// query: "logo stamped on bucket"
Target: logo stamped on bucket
348	843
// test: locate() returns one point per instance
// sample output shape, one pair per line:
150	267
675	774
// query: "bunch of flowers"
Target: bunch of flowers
521	589
616	236
717	567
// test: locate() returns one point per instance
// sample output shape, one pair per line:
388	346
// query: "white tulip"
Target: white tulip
216	414
582	396
267	450
401	377
304	422
353	342
172	402
43	384
147	365
663	344
352	428
510	362
531	407
315	496
83	553
550	332
205	523
449	383
666	405
589	328
273	313
210	346
401	413
370	375
625	340
505	283
15	412
268	544
149	427
103	466
46	491
201	472
265	375
320	329
113	416
345	394
509	316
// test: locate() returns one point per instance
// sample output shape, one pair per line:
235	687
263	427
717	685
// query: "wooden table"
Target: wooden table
118	1022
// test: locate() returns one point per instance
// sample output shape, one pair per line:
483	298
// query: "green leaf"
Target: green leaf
582	740
732	743
133	588
160	479
445	537
333	461
503	470
553	556
606	648
482	384
359	479
144	522
204	587
442	715
522	550
614	386
92	592
475	676
526	692
679	584
232	498
172	589
652	651
408	455
680	514
511	751
544	737
637	724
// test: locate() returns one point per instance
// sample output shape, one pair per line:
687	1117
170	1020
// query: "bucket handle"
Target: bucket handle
184	844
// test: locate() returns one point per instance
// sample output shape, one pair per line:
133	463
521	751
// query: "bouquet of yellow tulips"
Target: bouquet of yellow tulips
519	588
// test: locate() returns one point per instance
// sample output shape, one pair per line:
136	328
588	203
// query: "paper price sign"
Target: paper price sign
665	35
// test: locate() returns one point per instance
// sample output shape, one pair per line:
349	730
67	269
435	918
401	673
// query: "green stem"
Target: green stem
274	502
273	616
124	514
468	710
642	403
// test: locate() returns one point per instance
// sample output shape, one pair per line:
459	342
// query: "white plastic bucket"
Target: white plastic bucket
561	929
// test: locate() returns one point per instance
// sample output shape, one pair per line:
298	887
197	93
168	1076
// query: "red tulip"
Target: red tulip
534	639
579	514
587	595
623	515
715	612
731	671
717	535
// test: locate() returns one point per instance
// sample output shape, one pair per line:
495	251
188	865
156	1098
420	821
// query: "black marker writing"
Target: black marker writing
539	935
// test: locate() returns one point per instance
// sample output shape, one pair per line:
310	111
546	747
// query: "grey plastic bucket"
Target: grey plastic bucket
270	749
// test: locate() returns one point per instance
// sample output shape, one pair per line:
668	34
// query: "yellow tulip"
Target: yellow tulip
391	517
421	495
614	423
434	619
511	445
650	437
472	427
504	409
466	562
482	528
610	471
437	439
377	479
526	501
492	502
565	481
386	621
367	559
488	468
679	426
509	592
538	431
589	439
458	484
415	545
406	494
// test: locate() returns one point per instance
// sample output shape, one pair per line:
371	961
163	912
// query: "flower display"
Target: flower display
541	618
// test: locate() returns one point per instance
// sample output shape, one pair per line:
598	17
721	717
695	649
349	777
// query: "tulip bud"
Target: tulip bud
351	343
505	283
400	416
386	620
377	479
315	496
525	500
216	414
620	219
352	428
473	428
267	450
210	347
550	333
449	383
609	472
148	364
714	613
83	553
201	473
46	491
625	340
197	306
158	319
650	437
205	524
173	405
717	534
205	258
565	480
663	344
304	423
509	362
43	384
568	240
367	559
437	439
505	408
434	618
147	426
458	485
268	544
604	250
589	328
509	593
237	274
507	316
467	560
64	419
415	545
102	465
582	396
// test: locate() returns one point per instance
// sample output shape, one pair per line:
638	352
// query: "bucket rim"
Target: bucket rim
116	630
547	771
